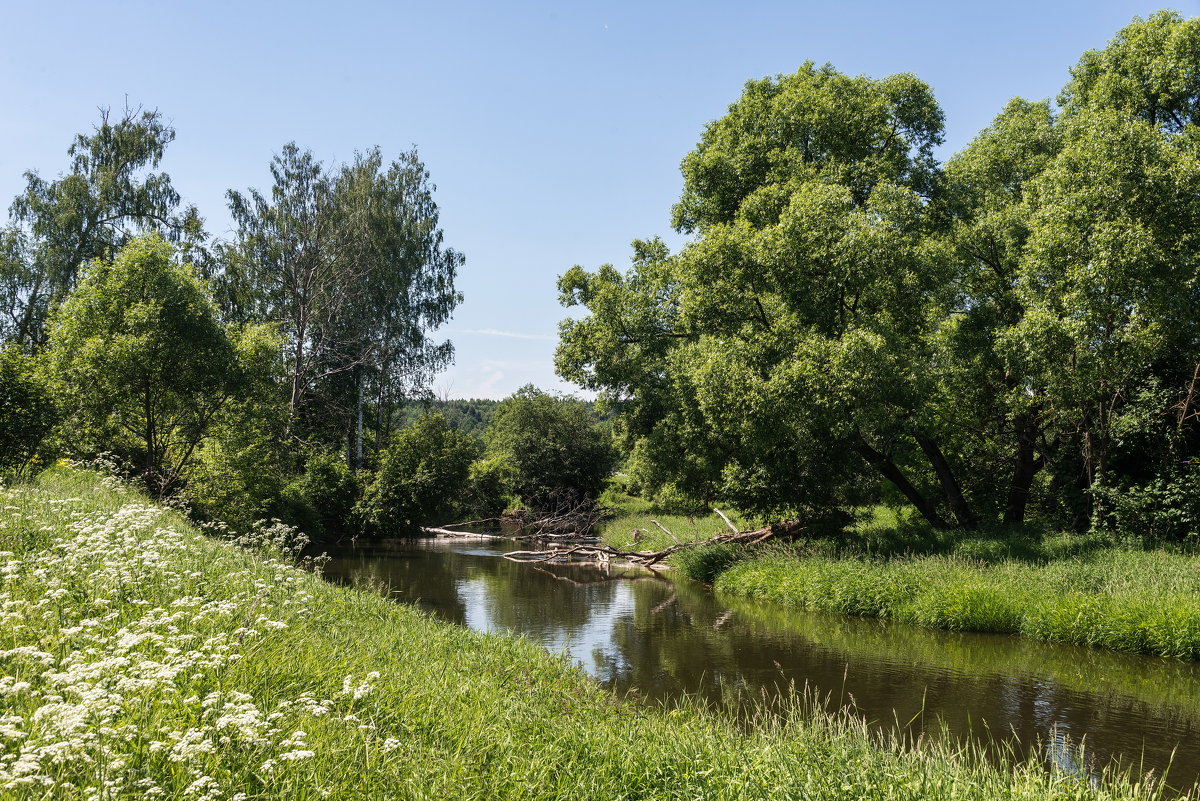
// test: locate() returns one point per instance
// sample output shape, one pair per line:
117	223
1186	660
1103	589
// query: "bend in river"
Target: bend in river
661	639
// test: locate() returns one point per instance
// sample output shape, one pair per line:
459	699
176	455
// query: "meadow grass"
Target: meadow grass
1144	602
1061	587
635	514
141	659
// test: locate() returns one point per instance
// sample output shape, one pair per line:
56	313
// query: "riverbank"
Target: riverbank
1064	588
142	659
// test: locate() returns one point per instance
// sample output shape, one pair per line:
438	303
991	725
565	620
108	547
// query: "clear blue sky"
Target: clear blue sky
553	130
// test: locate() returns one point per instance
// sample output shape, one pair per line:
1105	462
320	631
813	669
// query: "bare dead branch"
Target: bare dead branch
664	528
728	522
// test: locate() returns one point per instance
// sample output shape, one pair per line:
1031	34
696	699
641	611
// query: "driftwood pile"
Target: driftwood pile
594	551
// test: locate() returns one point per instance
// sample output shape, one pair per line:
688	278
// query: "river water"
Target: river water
658	639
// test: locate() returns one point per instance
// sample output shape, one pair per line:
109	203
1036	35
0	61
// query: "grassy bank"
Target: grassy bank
140	659
1135	601
1078	589
637	515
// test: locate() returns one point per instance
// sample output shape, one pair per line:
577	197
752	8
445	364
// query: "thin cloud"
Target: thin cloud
494	332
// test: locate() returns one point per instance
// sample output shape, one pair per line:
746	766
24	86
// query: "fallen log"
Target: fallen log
445	532
650	559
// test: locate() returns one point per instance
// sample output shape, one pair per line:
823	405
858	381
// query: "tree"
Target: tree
142	364
1017	329
780	344
27	410
995	418
350	263
1148	72
110	195
423	475
551	444
1075	330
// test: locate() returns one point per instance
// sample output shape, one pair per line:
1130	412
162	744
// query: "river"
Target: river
658	639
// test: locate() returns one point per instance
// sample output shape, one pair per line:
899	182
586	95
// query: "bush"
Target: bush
1164	509
238	476
487	488
26	410
551	443
327	493
423	476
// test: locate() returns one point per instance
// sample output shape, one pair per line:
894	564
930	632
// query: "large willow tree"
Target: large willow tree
772	359
1015	330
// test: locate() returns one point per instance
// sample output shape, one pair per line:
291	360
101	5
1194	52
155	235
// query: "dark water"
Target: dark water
657	639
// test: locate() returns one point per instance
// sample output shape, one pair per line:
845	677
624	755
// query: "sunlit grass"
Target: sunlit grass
1126	600
140	659
1061	587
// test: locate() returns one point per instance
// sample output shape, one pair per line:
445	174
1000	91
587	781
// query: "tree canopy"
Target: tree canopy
141	361
110	194
350	263
1016	326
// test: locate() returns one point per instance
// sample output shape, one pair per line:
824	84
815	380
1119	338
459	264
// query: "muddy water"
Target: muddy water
658	639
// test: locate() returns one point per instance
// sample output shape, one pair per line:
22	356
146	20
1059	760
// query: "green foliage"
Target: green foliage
488	488
1148	71
141	364
27	409
1012	334
92	212
423	476
551	444
1164	509
240	474
330	489
348	262
759	363
469	416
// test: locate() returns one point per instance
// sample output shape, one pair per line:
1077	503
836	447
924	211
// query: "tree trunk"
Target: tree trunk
893	474
1026	467
358	453
950	486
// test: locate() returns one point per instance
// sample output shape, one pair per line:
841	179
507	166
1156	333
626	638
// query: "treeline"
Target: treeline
282	372
469	416
1010	336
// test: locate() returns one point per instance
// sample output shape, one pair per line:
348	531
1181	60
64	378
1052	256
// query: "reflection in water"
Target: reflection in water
658	639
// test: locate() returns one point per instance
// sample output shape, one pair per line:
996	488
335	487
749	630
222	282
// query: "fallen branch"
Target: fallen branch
728	522
650	559
445	532
664	528
474	522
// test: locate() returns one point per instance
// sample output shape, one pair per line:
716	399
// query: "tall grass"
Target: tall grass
139	659
633	525
1071	588
1127	600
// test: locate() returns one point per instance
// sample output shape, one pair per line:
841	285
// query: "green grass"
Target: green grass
1061	587
1127	600
140	659
631	513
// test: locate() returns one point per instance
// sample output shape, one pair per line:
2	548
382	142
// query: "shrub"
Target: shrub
423	476
551	443
238	476
26	410
328	491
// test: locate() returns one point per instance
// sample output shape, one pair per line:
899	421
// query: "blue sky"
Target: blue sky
553	131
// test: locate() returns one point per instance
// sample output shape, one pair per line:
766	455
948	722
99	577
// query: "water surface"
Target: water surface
658	639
